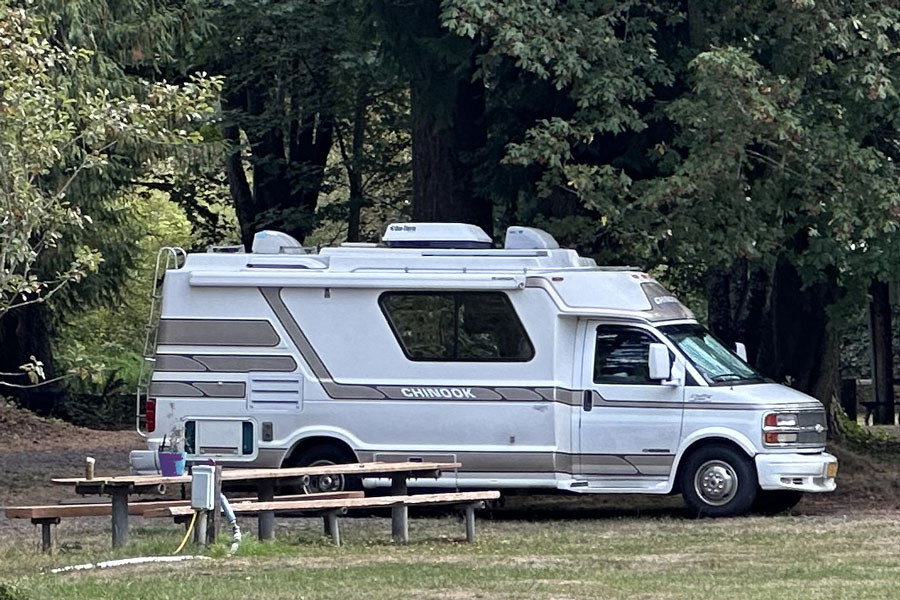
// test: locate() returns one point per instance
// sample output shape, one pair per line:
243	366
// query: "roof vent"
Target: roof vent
276	242
529	238
435	235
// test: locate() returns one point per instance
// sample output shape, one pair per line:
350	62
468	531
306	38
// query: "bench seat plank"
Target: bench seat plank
82	510
337	503
140	508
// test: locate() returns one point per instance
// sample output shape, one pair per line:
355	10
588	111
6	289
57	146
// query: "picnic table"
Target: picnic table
120	487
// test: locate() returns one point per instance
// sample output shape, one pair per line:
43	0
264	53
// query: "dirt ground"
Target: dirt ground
33	450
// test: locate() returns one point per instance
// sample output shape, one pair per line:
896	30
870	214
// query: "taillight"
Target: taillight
781	420
150	414
781	428
781	438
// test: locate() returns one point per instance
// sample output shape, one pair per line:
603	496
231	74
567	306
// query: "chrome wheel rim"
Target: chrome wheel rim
716	482
325	483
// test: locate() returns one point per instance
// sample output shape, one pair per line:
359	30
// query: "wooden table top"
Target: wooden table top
371	469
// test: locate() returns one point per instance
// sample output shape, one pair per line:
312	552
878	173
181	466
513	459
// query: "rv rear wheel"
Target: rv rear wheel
319	456
773	502
718	481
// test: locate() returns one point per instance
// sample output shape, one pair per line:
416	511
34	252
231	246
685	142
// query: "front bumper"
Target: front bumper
799	472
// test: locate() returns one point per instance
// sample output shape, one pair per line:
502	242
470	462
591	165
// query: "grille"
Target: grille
807	421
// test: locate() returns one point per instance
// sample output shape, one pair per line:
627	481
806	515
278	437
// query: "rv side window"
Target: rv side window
621	356
457	326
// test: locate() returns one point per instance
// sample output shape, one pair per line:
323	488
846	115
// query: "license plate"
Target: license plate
831	470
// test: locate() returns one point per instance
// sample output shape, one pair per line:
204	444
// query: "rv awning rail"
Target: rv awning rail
419	281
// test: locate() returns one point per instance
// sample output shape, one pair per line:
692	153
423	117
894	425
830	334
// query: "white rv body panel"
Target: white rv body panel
280	351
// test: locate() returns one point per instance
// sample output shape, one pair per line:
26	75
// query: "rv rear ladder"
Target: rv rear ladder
168	258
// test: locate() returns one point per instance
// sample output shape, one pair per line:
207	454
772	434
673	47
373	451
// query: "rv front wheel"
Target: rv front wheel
320	456
718	481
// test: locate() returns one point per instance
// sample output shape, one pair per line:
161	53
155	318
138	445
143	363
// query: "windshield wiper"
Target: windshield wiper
727	376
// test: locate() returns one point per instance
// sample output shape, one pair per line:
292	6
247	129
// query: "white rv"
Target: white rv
530	365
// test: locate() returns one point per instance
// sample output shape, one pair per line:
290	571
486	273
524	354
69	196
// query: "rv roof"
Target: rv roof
531	259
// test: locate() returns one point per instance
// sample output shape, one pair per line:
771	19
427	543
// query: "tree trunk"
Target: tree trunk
882	353
239	187
736	305
353	161
26	332
448	113
798	344
784	325
443	189
721	319
289	149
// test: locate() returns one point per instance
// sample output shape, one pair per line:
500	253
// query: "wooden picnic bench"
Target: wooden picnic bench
119	488
335	507
48	515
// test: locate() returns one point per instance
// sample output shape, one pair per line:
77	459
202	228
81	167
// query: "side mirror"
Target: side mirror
659	362
741	350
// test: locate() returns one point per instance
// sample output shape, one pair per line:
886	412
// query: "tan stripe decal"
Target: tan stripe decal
592	464
537	462
648	464
518	394
224	363
426	392
197	389
175	363
217	332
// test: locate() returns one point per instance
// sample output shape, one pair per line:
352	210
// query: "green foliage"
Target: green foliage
38	130
707	133
107	405
868	441
316	110
10	591
74	130
104	344
687	137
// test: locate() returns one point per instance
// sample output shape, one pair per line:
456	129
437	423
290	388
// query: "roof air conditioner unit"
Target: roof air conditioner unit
435	235
529	238
275	242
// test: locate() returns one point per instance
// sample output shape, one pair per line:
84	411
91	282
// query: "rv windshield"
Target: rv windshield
716	363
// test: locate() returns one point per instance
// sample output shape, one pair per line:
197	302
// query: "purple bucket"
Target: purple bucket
171	464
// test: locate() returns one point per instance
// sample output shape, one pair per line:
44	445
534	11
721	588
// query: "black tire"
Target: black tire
774	502
718	481
324	455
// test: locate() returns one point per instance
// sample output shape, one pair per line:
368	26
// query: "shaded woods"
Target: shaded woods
745	153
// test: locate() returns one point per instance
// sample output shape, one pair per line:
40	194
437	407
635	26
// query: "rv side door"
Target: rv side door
628	424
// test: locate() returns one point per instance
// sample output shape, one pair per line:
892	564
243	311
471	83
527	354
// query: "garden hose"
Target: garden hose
187	535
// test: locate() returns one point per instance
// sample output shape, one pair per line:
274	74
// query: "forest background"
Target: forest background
745	153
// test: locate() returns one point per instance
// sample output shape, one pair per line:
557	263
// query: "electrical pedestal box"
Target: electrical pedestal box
203	487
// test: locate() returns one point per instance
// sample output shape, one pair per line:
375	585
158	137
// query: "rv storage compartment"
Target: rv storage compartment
219	437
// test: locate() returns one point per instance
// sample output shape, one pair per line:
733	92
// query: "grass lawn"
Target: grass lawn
634	557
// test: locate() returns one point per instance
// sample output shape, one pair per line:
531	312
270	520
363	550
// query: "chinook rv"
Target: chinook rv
530	365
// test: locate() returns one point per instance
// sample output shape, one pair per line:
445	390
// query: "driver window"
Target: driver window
621	356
